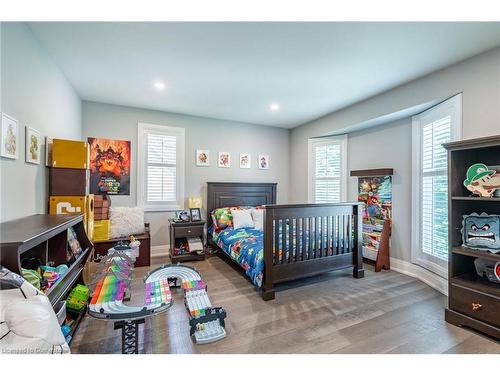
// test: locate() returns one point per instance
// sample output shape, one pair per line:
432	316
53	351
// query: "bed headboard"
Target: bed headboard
226	194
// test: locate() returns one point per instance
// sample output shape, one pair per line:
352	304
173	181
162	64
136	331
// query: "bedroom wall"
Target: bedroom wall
389	146
478	78
35	92
119	122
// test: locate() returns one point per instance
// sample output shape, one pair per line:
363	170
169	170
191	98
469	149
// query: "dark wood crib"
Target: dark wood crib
300	240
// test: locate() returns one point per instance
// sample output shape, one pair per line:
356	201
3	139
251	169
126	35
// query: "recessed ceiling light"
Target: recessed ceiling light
274	107
159	85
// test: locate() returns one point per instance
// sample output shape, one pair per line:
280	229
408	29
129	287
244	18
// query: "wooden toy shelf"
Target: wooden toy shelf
45	237
473	301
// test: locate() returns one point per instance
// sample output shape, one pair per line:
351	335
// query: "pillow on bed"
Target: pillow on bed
223	218
242	218
258	218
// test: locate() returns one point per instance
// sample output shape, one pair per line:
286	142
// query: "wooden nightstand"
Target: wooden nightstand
190	229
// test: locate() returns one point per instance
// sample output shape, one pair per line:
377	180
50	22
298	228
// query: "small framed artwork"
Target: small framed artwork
263	161
202	158
48	151
9	137
195	214
224	159
245	161
33	146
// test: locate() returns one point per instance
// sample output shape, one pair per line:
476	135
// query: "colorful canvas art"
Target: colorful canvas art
33	146
203	158
224	160
9	140
109	166
245	161
263	161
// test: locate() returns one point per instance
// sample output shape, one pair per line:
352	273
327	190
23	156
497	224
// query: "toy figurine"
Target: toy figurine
481	180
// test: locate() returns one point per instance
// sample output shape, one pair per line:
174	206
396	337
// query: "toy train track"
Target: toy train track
206	322
112	279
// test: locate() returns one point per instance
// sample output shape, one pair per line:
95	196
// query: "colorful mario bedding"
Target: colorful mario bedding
246	246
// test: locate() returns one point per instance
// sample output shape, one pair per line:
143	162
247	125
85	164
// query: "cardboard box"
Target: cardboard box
102	230
70	154
68	181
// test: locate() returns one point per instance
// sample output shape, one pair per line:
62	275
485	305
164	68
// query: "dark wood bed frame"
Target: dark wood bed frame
336	242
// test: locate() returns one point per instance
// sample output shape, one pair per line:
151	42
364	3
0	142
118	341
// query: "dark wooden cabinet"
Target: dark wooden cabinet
474	302
180	232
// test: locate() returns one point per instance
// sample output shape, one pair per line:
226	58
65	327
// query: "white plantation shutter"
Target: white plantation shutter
434	225
327	170
161	181
438	125
162	167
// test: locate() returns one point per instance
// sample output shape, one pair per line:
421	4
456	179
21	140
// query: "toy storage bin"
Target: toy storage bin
60	309
70	154
102	230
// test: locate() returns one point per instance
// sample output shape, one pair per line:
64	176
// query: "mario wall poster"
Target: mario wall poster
109	166
376	194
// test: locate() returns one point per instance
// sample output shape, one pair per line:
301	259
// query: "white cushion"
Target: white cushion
258	219
126	221
242	219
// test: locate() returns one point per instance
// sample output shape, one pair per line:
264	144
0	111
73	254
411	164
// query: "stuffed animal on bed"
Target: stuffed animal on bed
28	323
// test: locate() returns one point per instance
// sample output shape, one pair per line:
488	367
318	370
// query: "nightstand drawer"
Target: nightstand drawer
476	305
194	231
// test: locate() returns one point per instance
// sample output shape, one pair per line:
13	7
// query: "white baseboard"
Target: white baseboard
159	251
428	277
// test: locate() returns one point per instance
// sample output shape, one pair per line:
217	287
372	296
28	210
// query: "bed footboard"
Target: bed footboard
308	239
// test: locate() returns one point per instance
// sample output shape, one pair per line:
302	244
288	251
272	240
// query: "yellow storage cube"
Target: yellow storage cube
102	230
67	205
70	154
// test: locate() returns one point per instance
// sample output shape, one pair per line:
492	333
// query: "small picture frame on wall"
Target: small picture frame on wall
263	161
245	161
195	214
202	158
224	159
9	137
48	151
33	146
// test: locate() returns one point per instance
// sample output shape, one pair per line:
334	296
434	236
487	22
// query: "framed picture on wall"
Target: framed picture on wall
202	158
245	161
48	151
263	161
224	159
33	146
9	137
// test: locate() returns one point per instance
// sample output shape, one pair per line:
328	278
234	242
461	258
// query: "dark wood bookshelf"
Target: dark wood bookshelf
473	301
372	172
45	237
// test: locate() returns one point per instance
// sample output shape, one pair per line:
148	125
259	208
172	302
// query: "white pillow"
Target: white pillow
126	221
242	219
258	219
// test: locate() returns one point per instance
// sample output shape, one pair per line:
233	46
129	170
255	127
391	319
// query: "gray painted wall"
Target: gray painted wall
36	93
389	146
118	122
477	78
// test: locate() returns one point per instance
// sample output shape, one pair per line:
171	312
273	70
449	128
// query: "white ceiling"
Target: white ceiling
234	71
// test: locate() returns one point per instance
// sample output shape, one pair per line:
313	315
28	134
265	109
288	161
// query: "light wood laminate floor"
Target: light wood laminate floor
384	312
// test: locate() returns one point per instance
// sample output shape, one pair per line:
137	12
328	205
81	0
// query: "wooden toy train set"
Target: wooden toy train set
110	286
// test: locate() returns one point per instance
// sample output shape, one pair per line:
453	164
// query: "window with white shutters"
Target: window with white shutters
327	169
161	167
432	128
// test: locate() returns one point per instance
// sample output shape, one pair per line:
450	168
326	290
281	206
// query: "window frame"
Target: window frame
451	107
142	130
340	140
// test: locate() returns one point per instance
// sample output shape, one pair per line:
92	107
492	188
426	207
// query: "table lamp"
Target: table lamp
195	202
